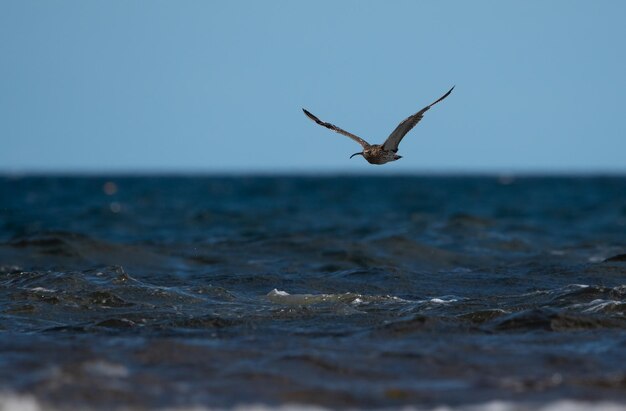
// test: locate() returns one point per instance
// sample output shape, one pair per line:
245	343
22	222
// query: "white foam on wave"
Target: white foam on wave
16	402
599	305
445	299
442	301
563	405
578	285
277	292
282	297
43	290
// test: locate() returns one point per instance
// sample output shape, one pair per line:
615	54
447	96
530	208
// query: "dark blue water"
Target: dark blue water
340	292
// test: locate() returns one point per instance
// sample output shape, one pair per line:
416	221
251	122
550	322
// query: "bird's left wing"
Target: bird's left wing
393	141
336	129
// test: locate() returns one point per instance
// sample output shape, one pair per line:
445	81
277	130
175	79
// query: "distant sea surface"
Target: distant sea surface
336	292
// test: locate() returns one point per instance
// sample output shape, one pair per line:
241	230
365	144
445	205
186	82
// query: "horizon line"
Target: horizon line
313	173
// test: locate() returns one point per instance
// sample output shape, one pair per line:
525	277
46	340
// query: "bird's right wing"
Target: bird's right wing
336	129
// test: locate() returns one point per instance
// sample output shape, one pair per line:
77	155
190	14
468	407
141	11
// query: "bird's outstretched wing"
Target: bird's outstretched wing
393	141
336	129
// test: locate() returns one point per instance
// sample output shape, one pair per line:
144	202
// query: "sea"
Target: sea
334	292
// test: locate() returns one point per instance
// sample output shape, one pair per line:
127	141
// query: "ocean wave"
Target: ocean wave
283	297
337	291
18	402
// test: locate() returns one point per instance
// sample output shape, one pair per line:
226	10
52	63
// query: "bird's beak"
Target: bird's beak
356	154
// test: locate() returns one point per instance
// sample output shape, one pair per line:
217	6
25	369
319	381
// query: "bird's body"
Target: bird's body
376	154
386	152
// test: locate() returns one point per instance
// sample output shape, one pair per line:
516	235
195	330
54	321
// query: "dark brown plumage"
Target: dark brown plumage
386	152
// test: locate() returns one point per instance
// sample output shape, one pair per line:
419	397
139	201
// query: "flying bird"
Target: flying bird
386	152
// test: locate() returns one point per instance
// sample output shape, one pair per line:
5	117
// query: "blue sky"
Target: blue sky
216	86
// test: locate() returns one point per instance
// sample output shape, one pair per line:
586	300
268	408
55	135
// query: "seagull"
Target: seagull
386	152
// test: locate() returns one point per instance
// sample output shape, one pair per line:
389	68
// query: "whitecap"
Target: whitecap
599	305
18	402
282	297
42	290
445	299
14	402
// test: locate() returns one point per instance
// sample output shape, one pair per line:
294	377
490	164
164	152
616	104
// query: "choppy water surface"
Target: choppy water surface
340	292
